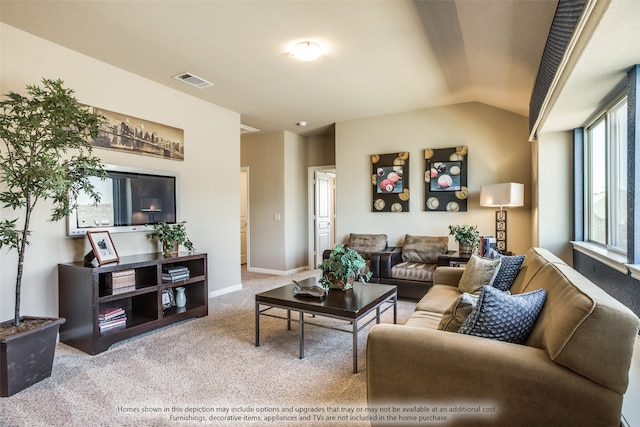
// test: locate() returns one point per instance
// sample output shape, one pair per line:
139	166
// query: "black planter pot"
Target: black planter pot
27	358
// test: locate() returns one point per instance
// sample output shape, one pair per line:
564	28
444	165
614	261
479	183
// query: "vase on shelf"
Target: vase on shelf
181	298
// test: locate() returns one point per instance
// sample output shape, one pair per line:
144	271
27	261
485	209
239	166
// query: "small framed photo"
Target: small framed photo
102	246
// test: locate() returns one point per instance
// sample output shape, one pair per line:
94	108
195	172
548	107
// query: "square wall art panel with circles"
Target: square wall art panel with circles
390	182
445	179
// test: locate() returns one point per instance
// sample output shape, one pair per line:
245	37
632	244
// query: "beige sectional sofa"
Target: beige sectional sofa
572	370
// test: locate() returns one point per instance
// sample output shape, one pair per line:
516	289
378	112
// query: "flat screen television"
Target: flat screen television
130	200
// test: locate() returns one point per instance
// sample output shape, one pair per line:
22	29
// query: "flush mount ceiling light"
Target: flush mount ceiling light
306	51
301	124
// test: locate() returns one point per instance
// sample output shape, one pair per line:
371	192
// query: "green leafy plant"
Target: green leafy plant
466	234
342	263
46	156
170	234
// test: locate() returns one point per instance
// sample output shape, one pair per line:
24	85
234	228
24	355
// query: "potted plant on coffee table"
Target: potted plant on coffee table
45	157
467	236
342	268
171	236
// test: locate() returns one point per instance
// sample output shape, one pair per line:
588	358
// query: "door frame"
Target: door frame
311	202
245	169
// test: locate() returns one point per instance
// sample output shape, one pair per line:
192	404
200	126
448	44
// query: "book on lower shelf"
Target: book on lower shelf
175	273
110	313
112	318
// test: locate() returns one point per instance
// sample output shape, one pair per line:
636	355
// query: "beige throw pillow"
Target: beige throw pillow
458	312
425	249
477	273
366	244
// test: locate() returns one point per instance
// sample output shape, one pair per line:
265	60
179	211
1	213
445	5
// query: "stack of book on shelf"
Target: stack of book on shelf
112	318
175	273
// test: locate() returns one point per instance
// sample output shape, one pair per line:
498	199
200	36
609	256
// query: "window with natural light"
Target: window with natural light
606	178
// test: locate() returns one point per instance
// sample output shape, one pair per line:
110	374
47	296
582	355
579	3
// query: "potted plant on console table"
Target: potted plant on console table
343	266
45	156
467	236
171	236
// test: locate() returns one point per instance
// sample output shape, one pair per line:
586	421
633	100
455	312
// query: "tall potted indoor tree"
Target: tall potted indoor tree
45	156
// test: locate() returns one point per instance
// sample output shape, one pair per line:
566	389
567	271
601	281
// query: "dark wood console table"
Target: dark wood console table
84	292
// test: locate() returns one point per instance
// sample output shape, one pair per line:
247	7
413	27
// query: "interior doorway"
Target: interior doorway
322	209
244	217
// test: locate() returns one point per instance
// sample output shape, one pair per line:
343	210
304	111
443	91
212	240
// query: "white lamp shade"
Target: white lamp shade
504	194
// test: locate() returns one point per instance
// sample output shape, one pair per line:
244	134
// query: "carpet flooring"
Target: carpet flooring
207	371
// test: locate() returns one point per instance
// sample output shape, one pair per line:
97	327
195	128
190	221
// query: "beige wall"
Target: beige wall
278	164
555	193
321	150
498	152
295	190
209	204
263	154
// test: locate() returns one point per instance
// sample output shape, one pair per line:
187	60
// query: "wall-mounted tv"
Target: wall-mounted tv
130	198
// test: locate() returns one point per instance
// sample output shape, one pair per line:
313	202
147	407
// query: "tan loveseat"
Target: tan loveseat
571	371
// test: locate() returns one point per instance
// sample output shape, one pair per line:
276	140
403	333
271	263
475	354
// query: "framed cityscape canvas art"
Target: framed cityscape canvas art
131	134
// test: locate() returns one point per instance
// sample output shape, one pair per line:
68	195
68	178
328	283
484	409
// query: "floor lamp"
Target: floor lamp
503	194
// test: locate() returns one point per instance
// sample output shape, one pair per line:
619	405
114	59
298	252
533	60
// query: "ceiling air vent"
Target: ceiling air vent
247	129
193	80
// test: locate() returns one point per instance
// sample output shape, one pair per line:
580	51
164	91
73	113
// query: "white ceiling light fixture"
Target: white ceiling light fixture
301	124
306	51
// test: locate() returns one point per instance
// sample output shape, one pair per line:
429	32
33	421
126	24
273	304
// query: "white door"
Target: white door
244	194
324	213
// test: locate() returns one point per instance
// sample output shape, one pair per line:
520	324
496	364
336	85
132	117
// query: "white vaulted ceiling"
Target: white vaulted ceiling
381	57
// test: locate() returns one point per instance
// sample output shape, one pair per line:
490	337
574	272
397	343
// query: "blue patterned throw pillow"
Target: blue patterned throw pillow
509	269
504	317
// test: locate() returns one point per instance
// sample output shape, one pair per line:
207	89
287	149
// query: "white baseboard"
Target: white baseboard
226	290
234	288
277	272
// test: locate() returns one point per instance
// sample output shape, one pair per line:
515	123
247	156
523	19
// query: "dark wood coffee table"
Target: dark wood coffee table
352	306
